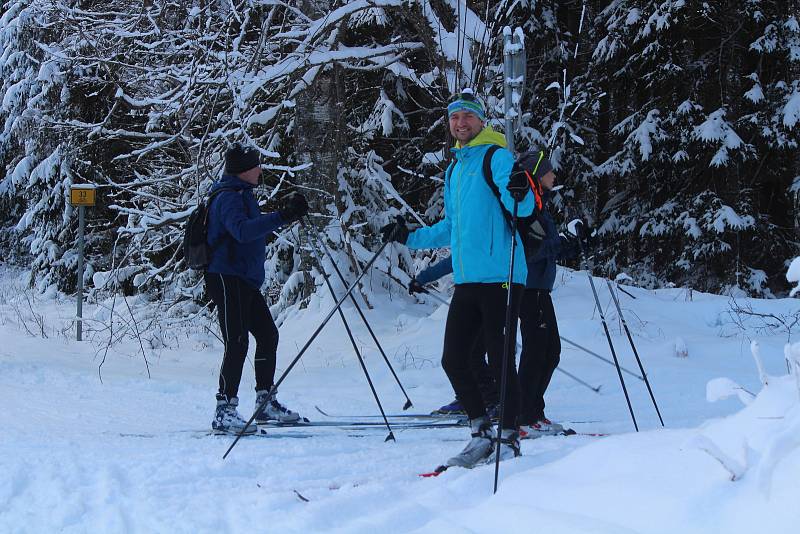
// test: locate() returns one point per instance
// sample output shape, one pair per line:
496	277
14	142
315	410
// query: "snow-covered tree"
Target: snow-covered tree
673	124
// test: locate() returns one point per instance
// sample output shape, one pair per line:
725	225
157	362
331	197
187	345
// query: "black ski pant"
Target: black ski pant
541	352
241	309
479	311
483	373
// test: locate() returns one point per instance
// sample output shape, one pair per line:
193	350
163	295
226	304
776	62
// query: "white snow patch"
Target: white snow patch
791	111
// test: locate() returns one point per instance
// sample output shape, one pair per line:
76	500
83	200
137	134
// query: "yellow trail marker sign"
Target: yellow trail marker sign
82	195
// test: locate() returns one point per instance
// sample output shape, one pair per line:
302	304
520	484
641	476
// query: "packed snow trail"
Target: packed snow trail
127	454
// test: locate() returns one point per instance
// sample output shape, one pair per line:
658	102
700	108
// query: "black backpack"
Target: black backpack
196	250
530	229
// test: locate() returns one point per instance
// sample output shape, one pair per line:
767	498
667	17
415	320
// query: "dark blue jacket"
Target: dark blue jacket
541	268
237	231
435	271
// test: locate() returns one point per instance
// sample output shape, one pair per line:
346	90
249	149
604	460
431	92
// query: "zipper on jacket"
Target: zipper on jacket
458	219
491	236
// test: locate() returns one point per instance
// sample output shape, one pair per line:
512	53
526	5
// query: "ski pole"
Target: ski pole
305	347
507	344
579	381
635	352
350	334
424	290
318	238
575	378
598	356
605	327
436	297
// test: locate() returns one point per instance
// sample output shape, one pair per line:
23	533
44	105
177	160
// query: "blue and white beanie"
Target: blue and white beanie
467	101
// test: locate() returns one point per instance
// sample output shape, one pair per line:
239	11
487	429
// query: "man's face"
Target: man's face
548	180
251	176
464	126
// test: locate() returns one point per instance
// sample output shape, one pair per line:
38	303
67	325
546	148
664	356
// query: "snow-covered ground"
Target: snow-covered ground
125	454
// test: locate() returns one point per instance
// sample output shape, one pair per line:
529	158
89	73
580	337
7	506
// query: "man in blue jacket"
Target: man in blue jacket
237	233
480	241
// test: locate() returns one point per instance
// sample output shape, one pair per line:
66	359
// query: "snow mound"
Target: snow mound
736	474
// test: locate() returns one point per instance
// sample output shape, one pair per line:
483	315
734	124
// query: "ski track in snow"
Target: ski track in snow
129	454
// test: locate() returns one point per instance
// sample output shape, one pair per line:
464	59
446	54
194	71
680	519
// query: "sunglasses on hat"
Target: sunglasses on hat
469	96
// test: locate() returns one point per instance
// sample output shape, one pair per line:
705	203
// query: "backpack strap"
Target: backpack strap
487	175
209	198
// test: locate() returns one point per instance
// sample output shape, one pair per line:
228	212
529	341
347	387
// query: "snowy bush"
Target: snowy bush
740	445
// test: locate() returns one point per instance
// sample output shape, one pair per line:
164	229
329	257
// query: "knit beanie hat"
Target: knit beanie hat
239	158
467	101
544	167
535	162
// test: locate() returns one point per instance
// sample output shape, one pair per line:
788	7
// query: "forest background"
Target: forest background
672	124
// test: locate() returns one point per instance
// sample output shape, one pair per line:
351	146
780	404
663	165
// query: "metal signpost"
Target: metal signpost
81	195
514	81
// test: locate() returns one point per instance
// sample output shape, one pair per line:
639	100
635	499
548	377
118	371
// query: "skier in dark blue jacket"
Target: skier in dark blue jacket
237	233
541	345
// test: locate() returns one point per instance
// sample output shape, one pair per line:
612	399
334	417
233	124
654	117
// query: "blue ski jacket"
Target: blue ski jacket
473	225
237	231
541	268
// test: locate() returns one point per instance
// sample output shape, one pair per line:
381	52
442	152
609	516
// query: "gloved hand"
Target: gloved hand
518	185
577	228
396	231
294	208
590	241
415	287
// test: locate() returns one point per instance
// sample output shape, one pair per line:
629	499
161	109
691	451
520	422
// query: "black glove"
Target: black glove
518	185
294	208
415	287
590	241
577	228
396	231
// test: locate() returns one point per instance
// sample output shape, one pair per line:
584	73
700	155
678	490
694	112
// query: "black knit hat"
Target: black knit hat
239	158
535	162
544	167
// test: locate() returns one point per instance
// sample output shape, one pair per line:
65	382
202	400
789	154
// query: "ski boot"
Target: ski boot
479	447
454	408
542	427
509	446
227	419
273	410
